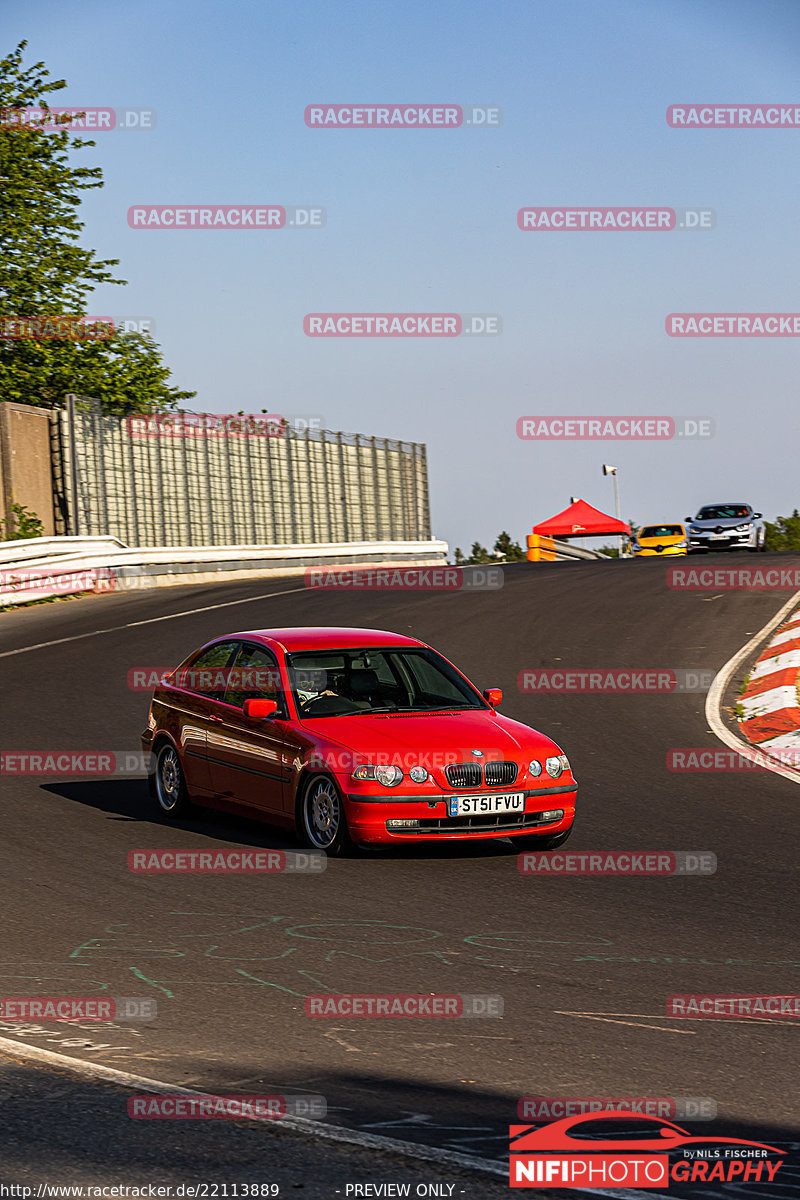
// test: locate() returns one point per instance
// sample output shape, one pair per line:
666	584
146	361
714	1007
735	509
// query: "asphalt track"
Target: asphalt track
584	965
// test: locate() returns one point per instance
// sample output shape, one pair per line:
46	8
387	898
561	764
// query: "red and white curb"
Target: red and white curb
769	707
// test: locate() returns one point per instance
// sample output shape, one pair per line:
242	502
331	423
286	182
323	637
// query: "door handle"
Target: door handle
216	717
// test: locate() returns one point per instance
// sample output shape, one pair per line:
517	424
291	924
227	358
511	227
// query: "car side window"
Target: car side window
206	675
254	676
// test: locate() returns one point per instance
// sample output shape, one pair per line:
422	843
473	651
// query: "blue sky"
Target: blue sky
425	220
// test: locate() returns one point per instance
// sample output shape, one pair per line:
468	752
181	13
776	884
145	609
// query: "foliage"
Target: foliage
783	533
509	551
26	524
44	272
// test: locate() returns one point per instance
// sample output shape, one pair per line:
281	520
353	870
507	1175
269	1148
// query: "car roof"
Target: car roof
727	504
327	637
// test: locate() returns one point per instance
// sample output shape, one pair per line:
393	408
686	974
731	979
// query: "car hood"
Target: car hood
662	541
456	734
722	523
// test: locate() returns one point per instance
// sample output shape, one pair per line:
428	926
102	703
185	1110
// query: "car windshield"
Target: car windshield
722	512
331	683
661	531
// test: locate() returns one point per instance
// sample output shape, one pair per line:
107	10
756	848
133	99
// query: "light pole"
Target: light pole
607	470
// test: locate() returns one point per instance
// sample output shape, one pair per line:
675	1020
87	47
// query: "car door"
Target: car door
246	754
196	688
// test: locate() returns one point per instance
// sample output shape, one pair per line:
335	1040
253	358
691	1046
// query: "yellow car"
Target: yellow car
661	541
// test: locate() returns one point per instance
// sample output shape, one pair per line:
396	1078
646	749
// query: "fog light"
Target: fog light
555	814
402	824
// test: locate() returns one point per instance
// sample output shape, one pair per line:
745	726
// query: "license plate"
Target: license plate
719	537
476	806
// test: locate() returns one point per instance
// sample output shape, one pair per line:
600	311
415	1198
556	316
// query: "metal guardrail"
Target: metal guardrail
548	549
77	565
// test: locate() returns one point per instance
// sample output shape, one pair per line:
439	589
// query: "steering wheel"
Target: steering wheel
323	706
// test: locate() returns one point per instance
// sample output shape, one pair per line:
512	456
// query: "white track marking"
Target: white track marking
314	1129
190	612
717	691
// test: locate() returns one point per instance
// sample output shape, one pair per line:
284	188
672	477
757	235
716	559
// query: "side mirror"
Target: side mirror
494	696
758	515
259	708
688	518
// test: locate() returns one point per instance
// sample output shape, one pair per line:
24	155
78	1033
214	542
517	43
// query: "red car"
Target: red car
352	736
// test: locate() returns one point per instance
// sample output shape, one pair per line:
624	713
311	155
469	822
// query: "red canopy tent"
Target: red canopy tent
581	520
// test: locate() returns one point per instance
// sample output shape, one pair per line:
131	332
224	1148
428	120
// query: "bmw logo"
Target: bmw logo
478	753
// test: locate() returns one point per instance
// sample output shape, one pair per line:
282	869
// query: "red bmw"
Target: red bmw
352	736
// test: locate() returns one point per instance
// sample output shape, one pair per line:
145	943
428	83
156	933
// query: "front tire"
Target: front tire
168	784
320	820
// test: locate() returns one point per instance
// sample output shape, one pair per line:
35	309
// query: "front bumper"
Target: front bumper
734	541
367	817
664	552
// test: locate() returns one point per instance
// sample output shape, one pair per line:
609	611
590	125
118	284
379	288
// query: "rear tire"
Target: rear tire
320	818
168	785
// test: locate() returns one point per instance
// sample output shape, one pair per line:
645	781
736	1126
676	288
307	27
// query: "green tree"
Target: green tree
783	533
509	551
44	272
479	554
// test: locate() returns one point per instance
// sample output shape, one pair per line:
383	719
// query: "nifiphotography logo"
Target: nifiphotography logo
581	1152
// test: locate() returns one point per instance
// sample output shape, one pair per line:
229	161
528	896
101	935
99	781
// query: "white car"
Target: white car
733	526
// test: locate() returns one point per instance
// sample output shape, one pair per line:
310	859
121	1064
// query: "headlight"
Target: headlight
555	765
681	545
388	776
743	528
418	774
535	767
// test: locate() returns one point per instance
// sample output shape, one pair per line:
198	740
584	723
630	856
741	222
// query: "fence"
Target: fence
302	487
